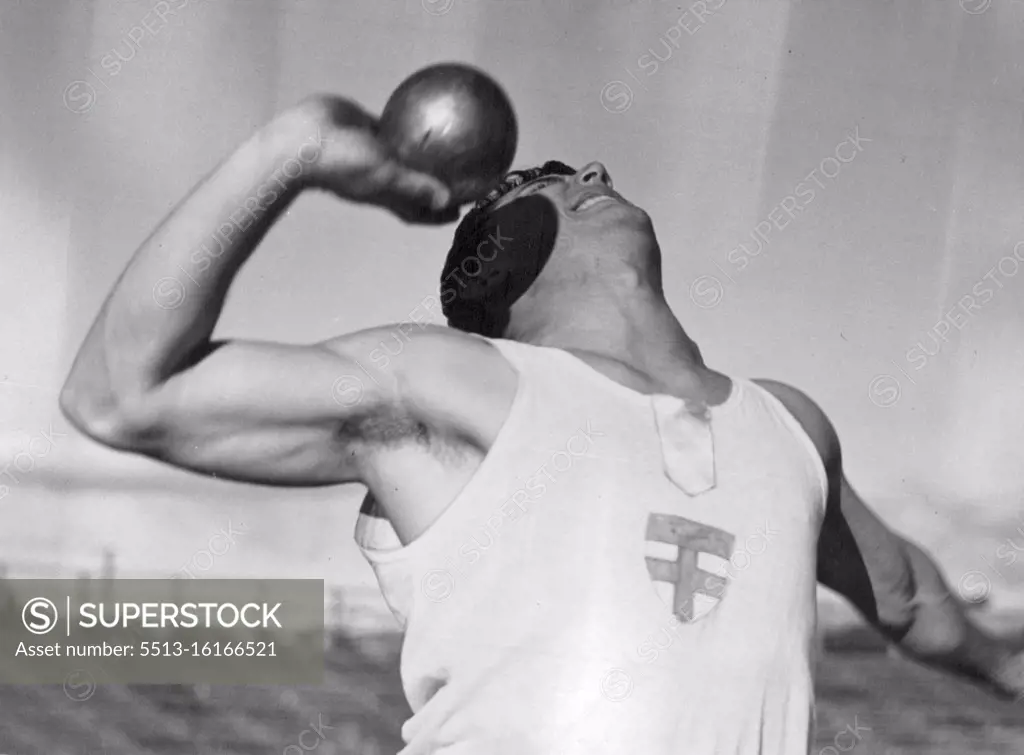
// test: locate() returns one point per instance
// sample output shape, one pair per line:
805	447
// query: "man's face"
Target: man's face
586	199
592	219
559	228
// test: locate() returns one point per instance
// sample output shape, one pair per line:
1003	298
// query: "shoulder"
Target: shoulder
809	415
442	376
411	337
417	348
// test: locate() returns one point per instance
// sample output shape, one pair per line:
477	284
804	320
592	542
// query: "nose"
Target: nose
594	173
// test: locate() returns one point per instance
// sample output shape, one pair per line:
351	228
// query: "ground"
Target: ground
896	707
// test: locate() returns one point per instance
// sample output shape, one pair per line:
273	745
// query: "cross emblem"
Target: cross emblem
689	580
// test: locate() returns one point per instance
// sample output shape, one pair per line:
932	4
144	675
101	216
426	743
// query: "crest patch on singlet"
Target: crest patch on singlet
689	590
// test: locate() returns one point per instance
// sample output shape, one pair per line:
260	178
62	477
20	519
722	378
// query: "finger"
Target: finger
426	216
443	217
420	189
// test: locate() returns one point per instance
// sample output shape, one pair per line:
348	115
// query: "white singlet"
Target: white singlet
576	599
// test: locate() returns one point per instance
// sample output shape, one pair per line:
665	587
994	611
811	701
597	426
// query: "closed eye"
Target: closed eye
539	184
527	189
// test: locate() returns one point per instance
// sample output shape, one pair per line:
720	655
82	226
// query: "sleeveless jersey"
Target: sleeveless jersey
587	593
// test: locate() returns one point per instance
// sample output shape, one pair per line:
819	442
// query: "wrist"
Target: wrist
331	131
294	142
1009	675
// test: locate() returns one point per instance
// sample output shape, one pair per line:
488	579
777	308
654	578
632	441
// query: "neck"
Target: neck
630	324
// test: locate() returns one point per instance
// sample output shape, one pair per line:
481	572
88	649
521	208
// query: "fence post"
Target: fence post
109	568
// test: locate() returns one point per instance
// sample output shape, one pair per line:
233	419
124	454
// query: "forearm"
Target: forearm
167	302
942	635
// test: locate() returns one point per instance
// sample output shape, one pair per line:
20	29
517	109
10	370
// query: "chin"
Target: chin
621	226
628	214
627	221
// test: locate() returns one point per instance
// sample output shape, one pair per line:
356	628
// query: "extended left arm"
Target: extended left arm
897	586
892	582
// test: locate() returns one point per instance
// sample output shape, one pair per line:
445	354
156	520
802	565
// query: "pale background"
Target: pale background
740	113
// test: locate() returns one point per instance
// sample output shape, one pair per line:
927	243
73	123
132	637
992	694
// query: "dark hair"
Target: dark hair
466	308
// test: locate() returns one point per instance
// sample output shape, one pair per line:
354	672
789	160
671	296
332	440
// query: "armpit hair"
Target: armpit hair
393	430
387	427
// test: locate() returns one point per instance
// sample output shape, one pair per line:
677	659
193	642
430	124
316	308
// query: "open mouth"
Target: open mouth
593	201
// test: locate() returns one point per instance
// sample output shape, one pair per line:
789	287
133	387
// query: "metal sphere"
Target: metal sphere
454	122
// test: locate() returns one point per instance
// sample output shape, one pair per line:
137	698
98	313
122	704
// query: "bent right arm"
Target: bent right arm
299	415
148	378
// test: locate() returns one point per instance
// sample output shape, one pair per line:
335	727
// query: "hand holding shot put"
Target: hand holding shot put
355	164
446	137
520	461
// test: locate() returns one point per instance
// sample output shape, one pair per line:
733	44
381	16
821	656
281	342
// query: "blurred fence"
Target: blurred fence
358	710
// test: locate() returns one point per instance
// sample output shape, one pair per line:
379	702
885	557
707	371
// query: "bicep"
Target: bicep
863	560
268	413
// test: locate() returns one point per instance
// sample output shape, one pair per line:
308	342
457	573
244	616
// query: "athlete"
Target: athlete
594	542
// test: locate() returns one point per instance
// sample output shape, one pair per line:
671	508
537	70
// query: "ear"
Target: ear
483	285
